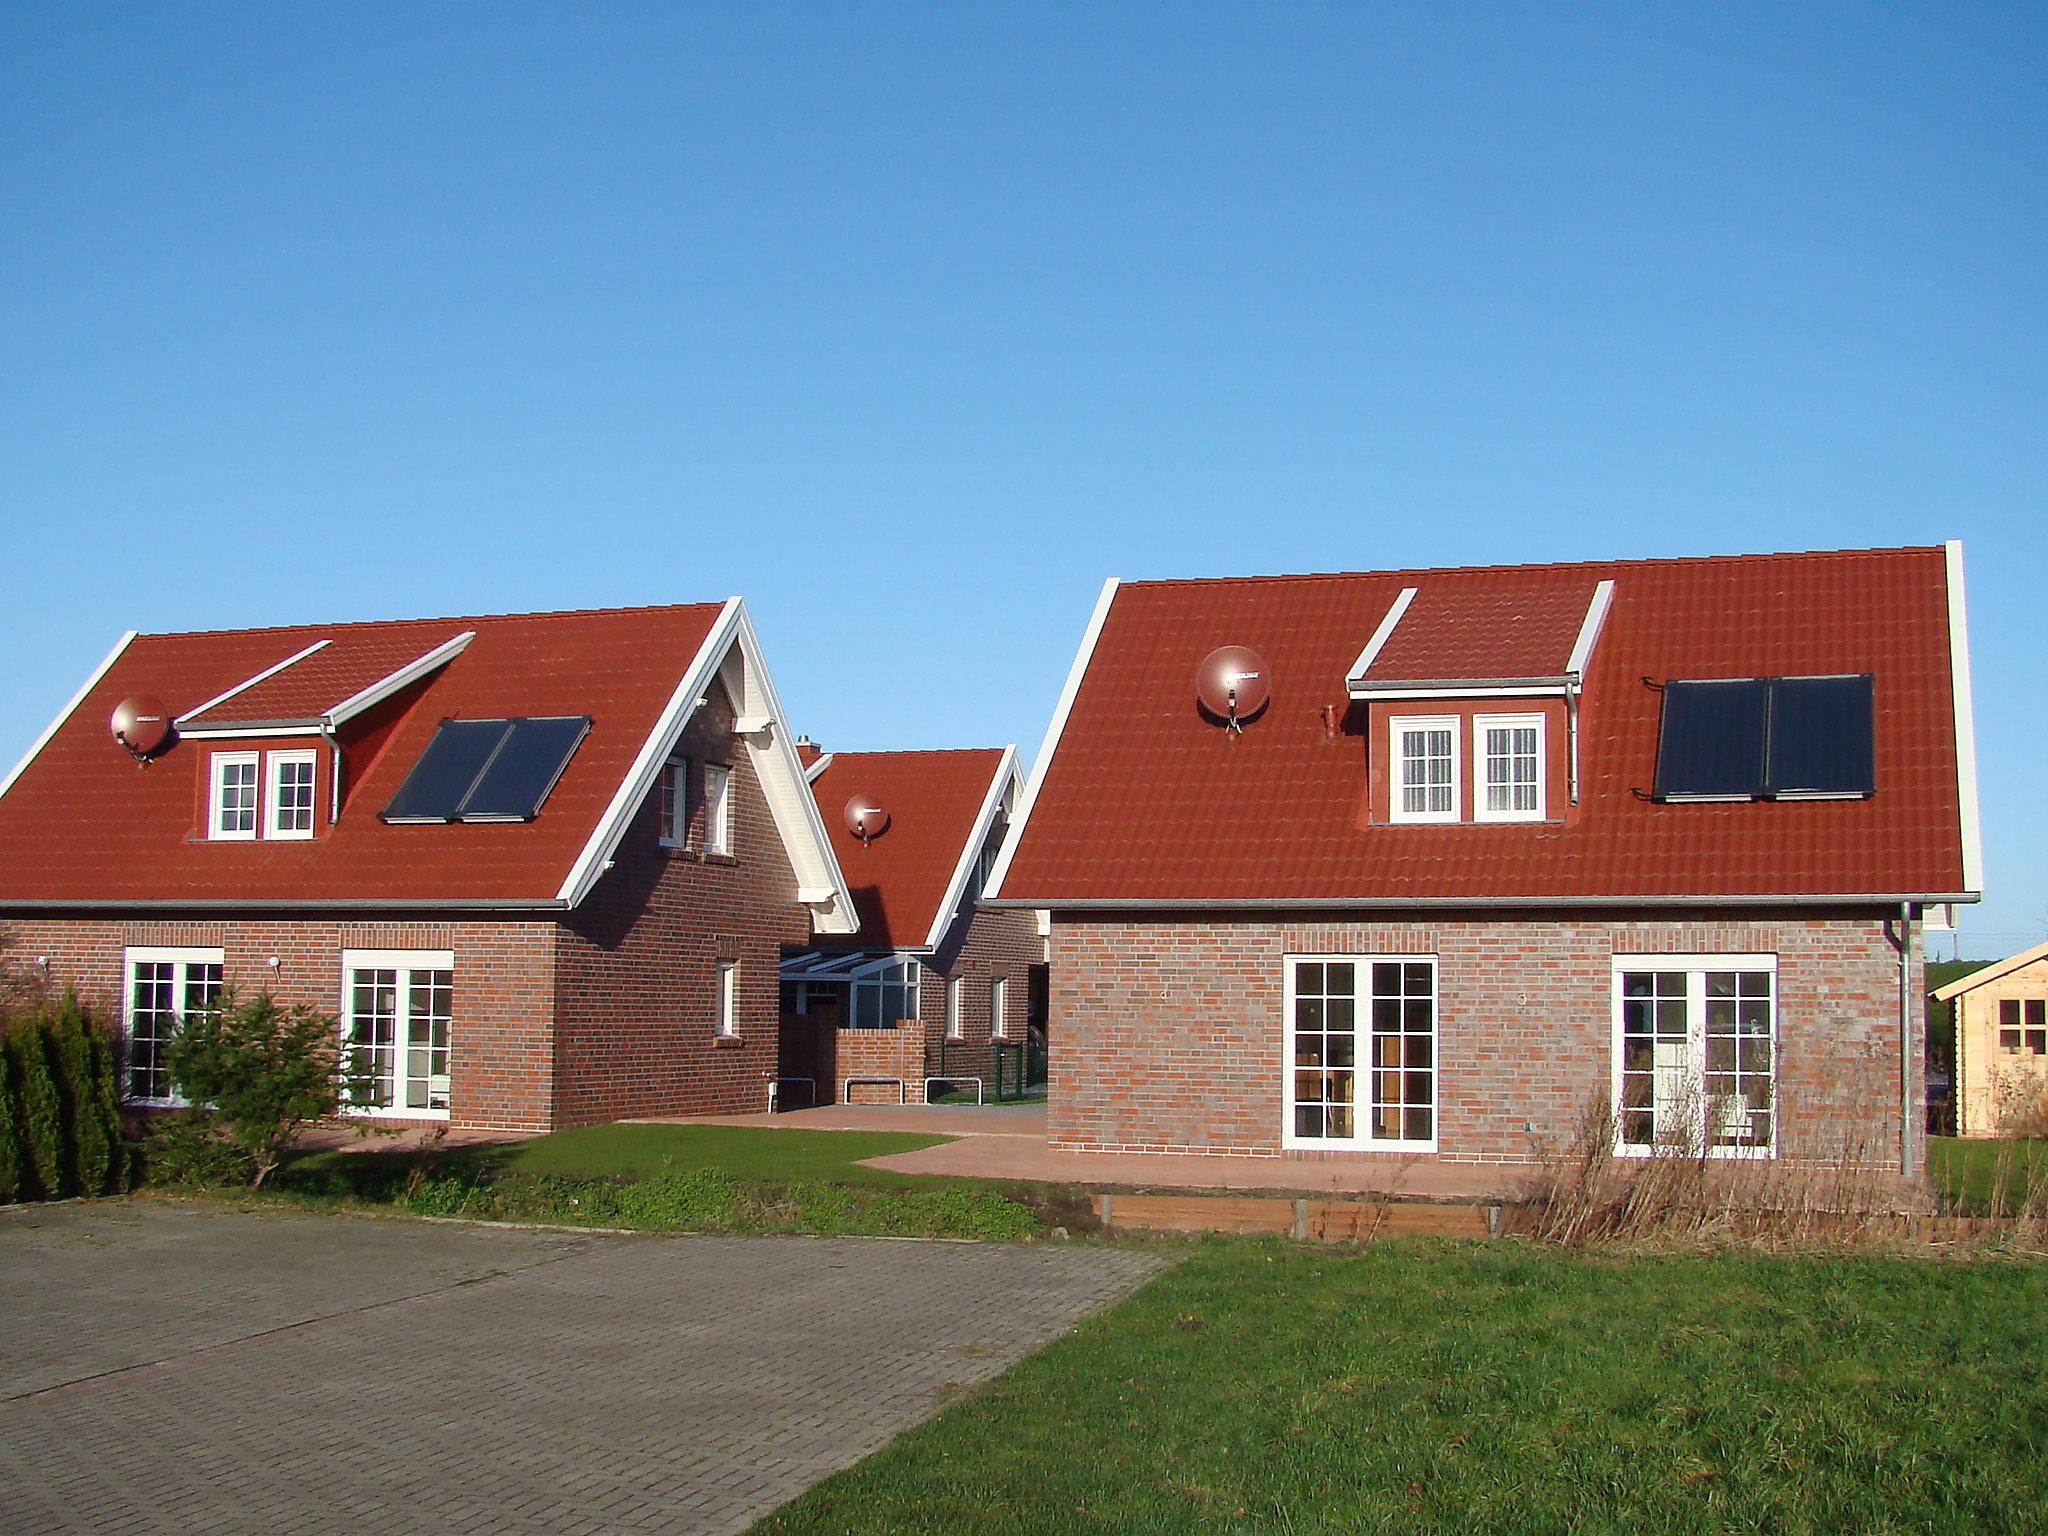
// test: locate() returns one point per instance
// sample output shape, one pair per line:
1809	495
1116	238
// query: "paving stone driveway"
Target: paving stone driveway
180	1368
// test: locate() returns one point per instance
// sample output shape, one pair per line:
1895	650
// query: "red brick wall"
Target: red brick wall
897	1052
1171	1037
636	964
502	1066
991	943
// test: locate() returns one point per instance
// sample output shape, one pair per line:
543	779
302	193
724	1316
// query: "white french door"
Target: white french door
397	1008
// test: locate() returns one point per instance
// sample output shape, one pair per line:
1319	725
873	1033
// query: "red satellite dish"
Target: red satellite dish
866	818
1233	683
142	724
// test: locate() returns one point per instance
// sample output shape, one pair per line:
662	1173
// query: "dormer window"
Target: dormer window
1511	757
1425	753
232	796
291	795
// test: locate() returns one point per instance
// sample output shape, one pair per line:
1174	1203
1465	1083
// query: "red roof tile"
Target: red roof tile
354	657
1144	800
84	823
1496	624
900	879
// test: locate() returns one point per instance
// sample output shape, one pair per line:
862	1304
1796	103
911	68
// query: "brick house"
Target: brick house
541	866
2001	1015
931	984
1477	858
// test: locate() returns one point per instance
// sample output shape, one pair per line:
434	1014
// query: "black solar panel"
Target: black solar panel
516	781
1711	742
1822	736
441	779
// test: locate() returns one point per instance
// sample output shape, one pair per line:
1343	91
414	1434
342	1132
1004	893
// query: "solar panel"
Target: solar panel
1822	736
515	781
439	782
1711	742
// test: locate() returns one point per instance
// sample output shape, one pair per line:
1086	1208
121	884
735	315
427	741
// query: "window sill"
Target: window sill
726	1042
718	858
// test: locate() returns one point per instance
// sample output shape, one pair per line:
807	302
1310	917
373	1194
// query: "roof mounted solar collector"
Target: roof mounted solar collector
487	770
1767	738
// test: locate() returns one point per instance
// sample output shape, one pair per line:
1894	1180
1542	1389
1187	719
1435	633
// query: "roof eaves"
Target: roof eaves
250	682
1380	636
1996	971
1001	786
377	692
1971	828
1443	903
78	698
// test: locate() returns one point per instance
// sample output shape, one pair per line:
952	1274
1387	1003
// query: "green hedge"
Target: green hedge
60	1118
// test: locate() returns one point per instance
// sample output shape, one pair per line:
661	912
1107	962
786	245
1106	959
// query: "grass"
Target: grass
1501	1387
1966	1174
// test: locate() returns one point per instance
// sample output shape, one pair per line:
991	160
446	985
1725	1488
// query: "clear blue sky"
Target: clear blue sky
911	324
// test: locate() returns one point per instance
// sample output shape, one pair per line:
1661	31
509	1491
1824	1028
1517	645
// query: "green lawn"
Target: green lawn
1498	1387
1964	1172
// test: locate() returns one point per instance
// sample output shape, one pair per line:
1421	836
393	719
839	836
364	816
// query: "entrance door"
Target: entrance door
399	1007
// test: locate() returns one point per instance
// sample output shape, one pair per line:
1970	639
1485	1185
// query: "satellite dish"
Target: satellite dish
1233	684
866	818
142	724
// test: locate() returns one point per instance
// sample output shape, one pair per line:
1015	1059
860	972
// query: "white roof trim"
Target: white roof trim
819	881
384	687
1966	722
1003	786
1381	636
1589	630
251	682
1052	737
1765	899
1454	688
811	773
66	712
1996	971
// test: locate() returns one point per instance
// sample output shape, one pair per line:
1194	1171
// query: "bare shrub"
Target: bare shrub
2020	1104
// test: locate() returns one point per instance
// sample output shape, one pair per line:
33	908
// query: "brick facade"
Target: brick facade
1171	1032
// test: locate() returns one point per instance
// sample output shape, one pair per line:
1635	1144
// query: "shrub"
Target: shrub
87	1150
10	1148
106	1095
267	1070
189	1147
38	1117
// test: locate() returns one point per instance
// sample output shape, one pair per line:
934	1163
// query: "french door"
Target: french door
399	1004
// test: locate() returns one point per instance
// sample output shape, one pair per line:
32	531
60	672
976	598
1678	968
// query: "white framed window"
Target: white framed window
232	796
1510	749
1696	1054
883	992
1424	783
956	1018
672	803
291	794
163	986
717	808
1361	1060
728	1022
998	1003
397	1011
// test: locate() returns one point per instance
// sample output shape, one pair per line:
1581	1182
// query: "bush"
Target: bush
39	1128
10	1148
267	1070
88	1151
190	1147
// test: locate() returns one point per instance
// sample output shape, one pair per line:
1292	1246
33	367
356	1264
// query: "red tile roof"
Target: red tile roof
354	657
1508	623
1142	799
934	800
83	823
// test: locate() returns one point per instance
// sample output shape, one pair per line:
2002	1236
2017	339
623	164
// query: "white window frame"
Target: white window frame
274	764
875	975
406	962
1482	760
718	808
1694	966
216	780
956	1015
1362	1138
672	803
727	1024
1399	728
183	958
998	1007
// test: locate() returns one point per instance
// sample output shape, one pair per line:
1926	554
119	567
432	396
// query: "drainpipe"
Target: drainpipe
1908	1164
333	772
1571	731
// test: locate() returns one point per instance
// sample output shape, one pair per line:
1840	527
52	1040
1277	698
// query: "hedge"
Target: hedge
60	1122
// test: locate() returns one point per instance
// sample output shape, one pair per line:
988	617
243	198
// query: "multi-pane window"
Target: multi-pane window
717	808
1359	1016
2024	1025
728	1023
165	986
233	795
399	1006
1511	752
1696	1052
291	795
884	993
1426	769
672	803
998	1005
956	1021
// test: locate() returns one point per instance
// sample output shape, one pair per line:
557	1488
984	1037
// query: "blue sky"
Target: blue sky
913	323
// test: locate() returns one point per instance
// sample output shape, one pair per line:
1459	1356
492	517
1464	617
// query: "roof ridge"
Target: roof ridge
1543	567
330	626
836	752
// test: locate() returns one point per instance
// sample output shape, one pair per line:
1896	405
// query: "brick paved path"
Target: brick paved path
179	1368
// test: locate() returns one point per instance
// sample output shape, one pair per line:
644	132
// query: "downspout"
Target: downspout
333	771
1571	731
1904	943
